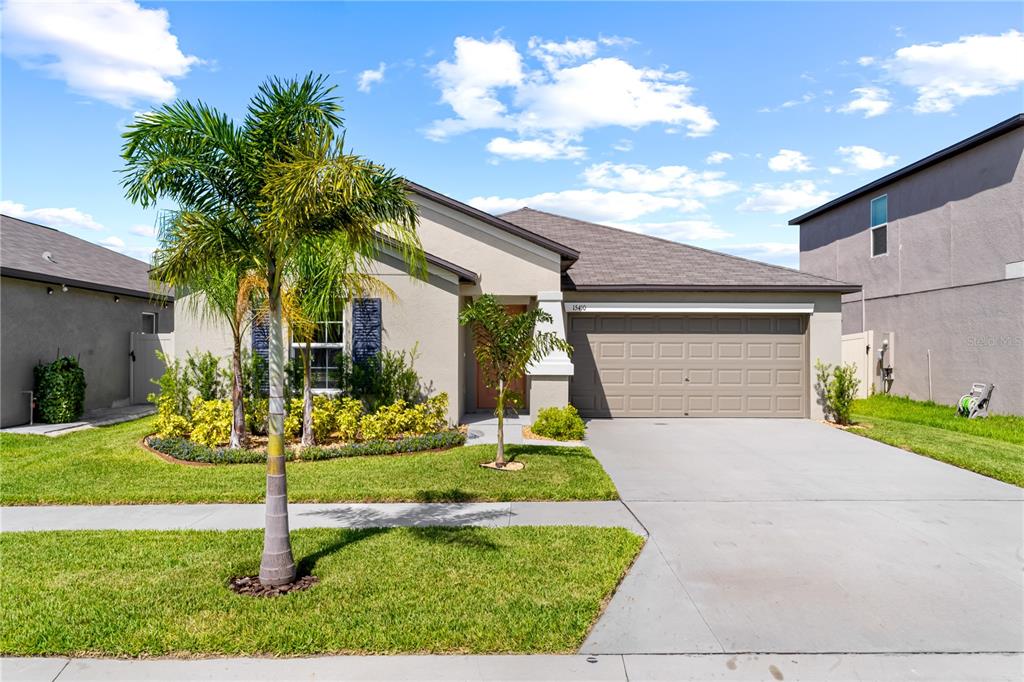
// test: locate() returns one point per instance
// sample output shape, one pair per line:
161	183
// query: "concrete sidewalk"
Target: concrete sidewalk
103	416
631	668
231	516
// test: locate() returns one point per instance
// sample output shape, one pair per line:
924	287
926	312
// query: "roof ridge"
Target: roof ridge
681	244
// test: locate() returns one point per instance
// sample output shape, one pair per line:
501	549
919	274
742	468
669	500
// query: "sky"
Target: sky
707	123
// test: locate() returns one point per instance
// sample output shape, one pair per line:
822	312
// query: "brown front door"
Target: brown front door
487	398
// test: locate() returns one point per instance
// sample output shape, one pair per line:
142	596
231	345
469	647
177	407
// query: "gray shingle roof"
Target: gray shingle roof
613	259
23	253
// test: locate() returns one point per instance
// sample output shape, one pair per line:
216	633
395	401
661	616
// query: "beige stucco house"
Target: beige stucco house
659	329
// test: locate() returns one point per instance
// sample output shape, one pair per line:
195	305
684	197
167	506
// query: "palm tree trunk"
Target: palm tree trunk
277	567
237	405
307	399
500	459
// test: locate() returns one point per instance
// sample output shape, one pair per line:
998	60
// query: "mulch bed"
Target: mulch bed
251	586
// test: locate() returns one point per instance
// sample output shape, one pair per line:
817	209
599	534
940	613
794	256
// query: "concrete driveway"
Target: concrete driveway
791	536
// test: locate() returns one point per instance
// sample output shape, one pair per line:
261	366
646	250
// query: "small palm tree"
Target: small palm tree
506	343
285	179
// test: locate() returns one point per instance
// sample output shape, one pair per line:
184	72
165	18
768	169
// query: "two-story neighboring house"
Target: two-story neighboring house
938	247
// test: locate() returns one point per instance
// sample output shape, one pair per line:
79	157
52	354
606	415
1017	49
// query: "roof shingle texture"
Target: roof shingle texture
71	260
611	257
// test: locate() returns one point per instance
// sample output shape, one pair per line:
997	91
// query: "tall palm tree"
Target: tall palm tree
324	277
223	288
285	177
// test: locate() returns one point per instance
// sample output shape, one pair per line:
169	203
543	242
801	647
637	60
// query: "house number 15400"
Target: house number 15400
577	307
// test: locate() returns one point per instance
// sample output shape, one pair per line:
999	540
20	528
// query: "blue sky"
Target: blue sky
708	123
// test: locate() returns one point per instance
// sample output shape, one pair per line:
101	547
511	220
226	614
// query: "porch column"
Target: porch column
549	378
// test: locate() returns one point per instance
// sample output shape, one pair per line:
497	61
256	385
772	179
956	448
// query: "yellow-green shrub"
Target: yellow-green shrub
401	419
325	417
349	413
256	414
559	423
211	421
170	425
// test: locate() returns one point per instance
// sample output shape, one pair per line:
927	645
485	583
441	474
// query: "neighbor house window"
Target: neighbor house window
327	344
880	225
149	323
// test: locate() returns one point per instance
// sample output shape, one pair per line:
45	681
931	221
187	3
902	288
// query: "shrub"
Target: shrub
381	380
349	414
451	438
203	374
559	423
171	425
190	451
256	411
173	398
325	417
254	373
837	389
211	421
60	390
402	419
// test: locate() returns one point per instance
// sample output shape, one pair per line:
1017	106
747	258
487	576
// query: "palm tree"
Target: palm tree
324	277
506	343
224	289
286	179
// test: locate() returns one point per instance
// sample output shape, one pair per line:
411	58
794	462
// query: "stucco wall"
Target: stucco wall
824	327
86	324
199	332
953	230
507	265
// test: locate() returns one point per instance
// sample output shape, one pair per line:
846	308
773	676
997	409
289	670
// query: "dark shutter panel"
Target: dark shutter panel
365	328
261	347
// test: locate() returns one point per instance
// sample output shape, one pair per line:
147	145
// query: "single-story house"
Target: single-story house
659	329
61	295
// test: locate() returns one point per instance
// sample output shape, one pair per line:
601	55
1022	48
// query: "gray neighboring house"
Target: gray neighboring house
61	295
660	329
938	247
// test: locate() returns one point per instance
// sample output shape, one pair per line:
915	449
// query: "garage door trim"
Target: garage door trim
725	308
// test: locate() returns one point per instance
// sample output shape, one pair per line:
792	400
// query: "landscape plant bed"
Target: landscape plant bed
108	466
184	450
380	591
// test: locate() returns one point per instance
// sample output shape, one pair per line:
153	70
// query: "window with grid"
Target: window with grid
328	342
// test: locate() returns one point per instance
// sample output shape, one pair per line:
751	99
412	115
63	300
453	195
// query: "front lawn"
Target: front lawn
993	446
107	466
402	590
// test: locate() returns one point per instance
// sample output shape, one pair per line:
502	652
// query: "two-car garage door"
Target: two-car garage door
647	365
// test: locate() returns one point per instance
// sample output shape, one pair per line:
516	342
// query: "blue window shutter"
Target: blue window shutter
365	328
261	347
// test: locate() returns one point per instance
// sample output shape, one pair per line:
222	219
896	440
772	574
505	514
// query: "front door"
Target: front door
487	398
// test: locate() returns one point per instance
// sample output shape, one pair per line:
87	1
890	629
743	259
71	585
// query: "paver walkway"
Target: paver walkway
229	516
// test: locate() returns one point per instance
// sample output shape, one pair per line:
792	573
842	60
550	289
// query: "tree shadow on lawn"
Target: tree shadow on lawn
553	450
469	537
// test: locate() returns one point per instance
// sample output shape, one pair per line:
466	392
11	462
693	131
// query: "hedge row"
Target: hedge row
189	451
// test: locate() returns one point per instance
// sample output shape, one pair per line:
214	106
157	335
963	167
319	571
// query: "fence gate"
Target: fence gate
145	365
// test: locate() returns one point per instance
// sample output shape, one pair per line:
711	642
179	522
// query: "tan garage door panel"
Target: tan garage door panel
689	365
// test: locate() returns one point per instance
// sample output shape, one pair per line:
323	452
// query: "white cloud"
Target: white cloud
535	149
590	204
488	86
617	41
866	61
946	74
623	145
789	160
668	180
866	158
369	77
144	231
60	218
113	242
554	55
114	51
871	100
784	198
717	157
789	104
678	230
835	170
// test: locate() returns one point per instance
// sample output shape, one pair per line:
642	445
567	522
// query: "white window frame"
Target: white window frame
871	233
296	347
156	323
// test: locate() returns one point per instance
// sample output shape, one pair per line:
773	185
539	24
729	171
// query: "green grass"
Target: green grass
436	590
993	446
107	466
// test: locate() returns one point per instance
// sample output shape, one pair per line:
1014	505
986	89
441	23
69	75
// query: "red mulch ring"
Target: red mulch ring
250	585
